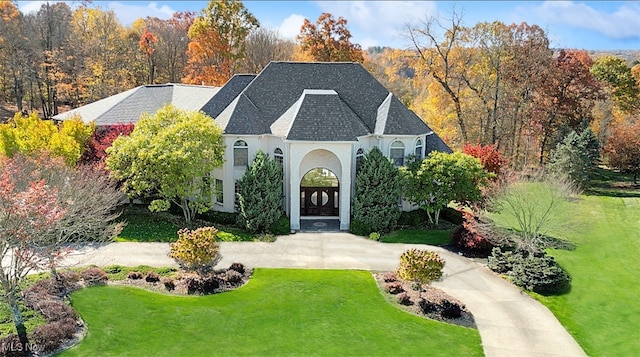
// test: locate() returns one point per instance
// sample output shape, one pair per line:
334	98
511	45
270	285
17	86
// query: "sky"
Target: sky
591	25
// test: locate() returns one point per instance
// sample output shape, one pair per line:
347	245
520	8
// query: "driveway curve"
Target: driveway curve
510	323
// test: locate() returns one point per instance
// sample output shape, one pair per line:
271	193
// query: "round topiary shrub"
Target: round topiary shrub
450	310
541	275
421	266
94	276
152	277
233	277
134	275
239	267
427	306
209	284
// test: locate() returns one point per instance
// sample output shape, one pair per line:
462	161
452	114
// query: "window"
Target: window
219	192
359	156
418	151
279	156
240	154
396	153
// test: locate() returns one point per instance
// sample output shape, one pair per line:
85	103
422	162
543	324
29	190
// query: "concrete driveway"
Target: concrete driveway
510	322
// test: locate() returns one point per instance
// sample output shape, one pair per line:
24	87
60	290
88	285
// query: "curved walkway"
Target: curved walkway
510	322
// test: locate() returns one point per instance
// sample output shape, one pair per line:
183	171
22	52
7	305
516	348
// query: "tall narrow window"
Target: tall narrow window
219	191
240	154
396	153
279	156
418	151
359	156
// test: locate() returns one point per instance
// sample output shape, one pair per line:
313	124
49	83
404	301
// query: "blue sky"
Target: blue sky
594	25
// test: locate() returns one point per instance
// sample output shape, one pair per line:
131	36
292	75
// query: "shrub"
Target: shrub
374	236
359	228
541	275
427	306
54	310
450	310
233	277
239	267
11	340
377	187
152	277
49	337
196	250
169	284
389	277
94	276
226	237
421	266
469	238
502	262
394	288
208	284
113	269
412	218
166	271
70	279
222	218
403	299
282	226
193	284
134	275
489	155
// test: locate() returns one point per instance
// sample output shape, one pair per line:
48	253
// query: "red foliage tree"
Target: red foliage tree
102	138
623	149
489	155
469	238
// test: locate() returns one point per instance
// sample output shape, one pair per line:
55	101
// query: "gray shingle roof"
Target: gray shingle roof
227	94
126	107
434	143
281	84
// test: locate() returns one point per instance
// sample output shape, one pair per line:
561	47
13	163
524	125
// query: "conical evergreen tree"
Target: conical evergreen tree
375	203
260	194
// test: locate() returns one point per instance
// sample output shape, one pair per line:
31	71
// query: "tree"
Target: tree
147	47
169	154
441	178
264	46
617	76
196	250
421	266
30	134
328	40
171	46
102	139
576	156
623	149
490	157
260	194
375	202
218	42
44	206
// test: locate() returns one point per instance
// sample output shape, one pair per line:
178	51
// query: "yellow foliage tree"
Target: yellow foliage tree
30	134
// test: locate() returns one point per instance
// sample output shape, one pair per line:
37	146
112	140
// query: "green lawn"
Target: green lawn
418	236
280	312
602	310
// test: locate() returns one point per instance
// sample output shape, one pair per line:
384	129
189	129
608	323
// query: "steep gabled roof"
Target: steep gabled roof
319	115
126	107
227	94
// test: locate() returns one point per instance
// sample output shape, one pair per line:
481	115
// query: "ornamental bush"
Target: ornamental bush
375	202
94	276
196	250
469	238
420	266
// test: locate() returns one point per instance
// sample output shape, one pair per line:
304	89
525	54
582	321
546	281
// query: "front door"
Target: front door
319	201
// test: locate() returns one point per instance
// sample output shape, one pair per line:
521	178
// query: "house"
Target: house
317	119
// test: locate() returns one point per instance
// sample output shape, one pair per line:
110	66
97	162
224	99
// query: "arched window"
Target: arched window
240	154
396	153
418	151
359	156
279	156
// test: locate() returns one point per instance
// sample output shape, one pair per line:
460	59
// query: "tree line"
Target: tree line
491	83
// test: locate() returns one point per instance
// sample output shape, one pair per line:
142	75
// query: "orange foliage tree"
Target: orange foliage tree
218	41
328	40
623	149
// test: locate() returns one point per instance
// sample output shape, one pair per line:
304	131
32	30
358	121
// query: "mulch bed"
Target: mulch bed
440	303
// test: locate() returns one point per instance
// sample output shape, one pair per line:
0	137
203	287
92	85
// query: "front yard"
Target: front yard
279	312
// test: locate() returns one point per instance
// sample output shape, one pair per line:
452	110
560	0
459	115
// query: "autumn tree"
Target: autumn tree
218	42
44	206
616	75
147	47
623	149
171	45
264	46
30	134
490	157
103	137
328	40
169	154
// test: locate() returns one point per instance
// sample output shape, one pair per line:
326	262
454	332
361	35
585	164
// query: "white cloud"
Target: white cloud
290	27
378	22
621	23
127	13
27	7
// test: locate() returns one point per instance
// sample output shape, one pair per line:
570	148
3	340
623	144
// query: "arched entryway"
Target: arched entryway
320	193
